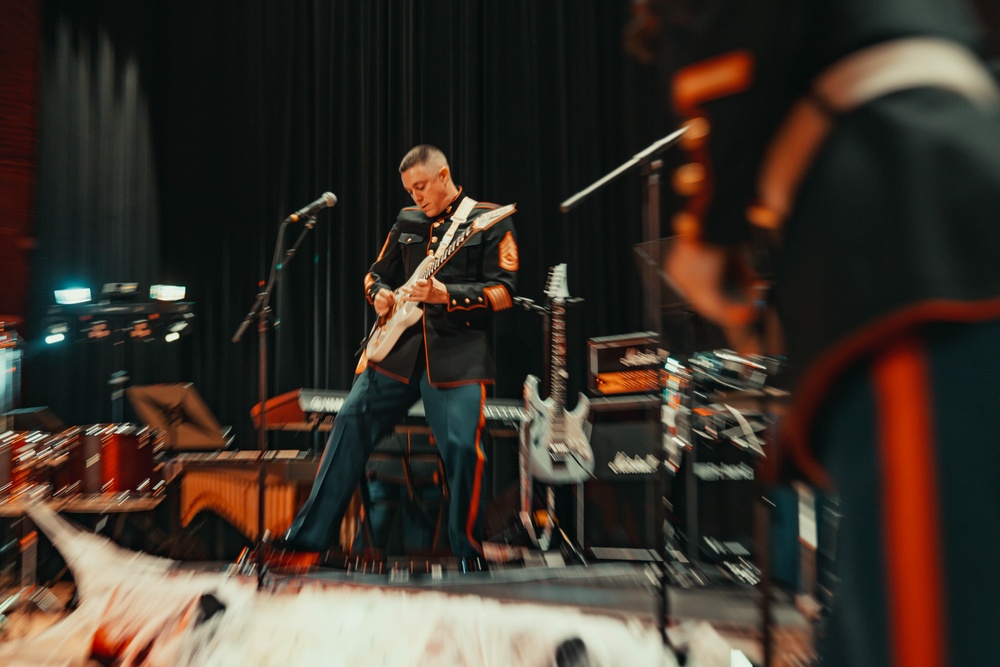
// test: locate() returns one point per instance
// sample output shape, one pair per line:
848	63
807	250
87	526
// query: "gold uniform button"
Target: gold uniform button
434	239
467	301
437	224
430	252
480	299
453	302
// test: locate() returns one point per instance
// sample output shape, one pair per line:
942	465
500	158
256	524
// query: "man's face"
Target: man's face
428	186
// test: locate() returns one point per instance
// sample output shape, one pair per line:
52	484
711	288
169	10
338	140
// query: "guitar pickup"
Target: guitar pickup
558	451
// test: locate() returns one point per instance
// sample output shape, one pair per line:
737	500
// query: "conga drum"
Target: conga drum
62	464
18	461
117	458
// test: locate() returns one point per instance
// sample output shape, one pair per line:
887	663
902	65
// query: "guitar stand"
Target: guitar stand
541	525
543	529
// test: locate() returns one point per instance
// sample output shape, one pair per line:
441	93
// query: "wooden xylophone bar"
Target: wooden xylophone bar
226	483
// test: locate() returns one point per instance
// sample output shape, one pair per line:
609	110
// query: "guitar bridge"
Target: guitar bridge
559	451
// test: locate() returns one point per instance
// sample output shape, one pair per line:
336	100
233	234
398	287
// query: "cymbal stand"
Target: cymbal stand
261	312
30	594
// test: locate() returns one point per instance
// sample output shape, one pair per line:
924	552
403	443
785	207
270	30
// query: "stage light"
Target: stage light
171	336
56	332
72	295
167	292
96	330
119	291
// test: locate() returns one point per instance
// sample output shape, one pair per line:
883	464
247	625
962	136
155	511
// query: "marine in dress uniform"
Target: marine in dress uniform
444	359
867	133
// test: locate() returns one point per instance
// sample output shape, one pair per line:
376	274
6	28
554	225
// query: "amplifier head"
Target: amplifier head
625	364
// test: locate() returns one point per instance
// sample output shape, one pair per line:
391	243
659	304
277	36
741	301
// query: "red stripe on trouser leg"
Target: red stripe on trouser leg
910	499
477	487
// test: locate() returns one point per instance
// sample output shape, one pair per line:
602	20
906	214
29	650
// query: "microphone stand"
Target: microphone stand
651	165
261	311
651	205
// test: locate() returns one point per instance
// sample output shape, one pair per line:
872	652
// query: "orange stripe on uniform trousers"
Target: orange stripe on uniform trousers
477	488
910	497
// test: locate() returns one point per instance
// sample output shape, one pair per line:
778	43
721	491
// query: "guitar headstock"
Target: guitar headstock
556	285
491	218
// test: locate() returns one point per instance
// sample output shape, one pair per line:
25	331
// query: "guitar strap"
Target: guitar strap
456	221
856	80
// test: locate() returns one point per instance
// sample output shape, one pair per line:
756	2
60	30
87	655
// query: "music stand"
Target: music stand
35	419
682	330
179	411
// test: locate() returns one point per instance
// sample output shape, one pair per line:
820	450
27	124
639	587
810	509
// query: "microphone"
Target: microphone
326	201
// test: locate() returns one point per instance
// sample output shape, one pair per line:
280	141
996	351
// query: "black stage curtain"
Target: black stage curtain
176	135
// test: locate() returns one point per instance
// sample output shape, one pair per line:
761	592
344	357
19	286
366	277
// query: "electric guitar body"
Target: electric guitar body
405	314
558	446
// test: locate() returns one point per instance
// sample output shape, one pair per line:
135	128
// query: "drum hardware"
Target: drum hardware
722	400
716	414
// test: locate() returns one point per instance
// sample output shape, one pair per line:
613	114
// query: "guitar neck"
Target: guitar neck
557	358
449	252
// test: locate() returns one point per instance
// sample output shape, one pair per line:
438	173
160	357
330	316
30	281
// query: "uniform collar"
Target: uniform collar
450	209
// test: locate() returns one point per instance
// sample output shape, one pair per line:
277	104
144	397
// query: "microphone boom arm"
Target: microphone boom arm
638	158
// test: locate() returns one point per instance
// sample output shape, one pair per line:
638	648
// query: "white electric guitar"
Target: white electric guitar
404	314
558	446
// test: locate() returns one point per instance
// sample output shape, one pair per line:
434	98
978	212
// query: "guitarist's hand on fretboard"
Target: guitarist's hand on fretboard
421	287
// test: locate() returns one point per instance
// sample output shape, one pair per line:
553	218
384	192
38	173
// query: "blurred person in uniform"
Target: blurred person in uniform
864	135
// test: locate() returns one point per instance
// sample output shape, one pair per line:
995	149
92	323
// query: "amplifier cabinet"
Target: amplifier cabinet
624	364
623	503
713	499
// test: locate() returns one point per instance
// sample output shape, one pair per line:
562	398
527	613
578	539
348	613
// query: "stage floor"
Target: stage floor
625	589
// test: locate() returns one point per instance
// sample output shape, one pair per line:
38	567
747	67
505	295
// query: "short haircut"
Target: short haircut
423	154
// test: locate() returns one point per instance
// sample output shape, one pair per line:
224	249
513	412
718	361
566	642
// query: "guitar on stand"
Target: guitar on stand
555	443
